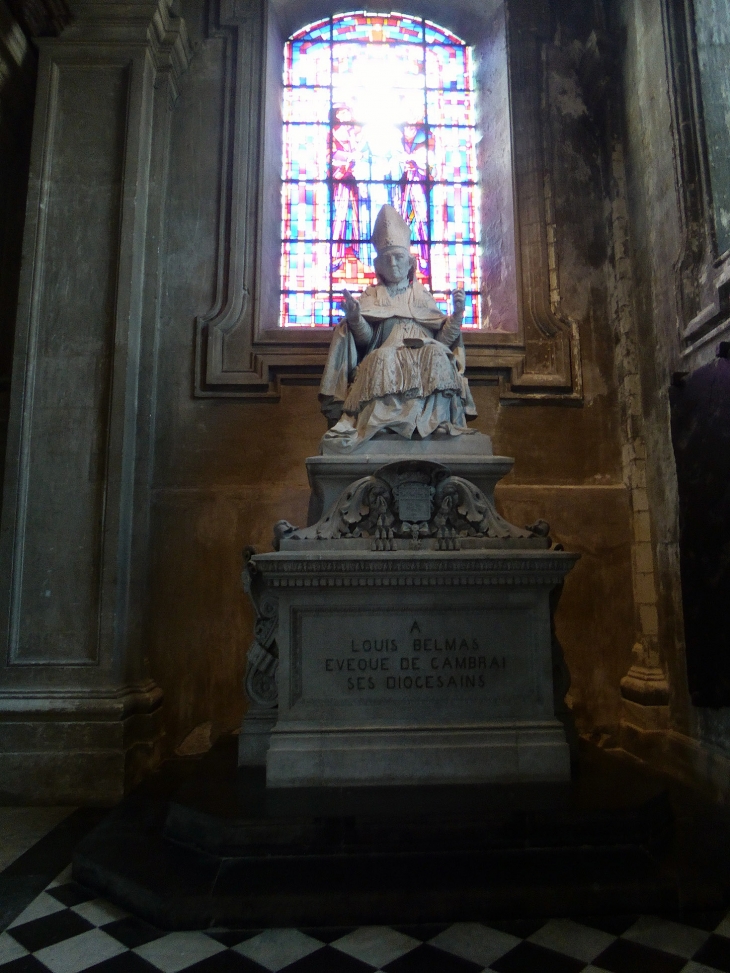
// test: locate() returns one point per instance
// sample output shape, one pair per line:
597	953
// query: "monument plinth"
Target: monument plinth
414	667
404	635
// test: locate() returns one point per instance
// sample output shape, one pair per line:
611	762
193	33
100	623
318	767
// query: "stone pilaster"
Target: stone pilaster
79	713
644	689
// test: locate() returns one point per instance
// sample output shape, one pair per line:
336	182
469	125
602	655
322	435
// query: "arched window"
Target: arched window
377	109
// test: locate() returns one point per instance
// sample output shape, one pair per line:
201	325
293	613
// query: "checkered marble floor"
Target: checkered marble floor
66	929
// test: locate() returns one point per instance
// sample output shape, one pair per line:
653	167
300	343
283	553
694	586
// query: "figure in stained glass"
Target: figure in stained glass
347	228
410	192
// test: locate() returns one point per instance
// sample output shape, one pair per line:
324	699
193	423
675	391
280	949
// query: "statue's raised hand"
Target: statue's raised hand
351	307
458	300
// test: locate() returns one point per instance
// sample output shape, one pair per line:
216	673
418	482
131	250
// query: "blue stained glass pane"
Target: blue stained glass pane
439	35
306	208
302	310
454	158
454	265
446	67
453	212
448	107
305	152
305	266
306	105
307	63
471	308
377	28
318	31
360	69
378	195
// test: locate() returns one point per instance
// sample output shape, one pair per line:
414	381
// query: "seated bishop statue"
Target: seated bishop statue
396	362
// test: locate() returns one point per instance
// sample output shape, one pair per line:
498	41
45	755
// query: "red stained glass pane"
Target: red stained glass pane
352	265
378	28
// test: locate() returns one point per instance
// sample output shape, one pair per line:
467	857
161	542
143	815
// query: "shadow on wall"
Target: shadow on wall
701	436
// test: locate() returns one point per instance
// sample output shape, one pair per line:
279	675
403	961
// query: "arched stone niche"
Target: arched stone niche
526	345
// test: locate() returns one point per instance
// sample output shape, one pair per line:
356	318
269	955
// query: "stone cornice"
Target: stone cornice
152	23
413	570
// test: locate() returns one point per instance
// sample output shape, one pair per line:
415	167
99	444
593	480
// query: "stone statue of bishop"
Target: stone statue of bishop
396	362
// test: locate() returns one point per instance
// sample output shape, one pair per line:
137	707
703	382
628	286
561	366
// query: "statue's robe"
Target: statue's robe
387	385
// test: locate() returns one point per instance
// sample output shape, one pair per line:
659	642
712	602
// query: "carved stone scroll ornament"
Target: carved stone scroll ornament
263	654
411	500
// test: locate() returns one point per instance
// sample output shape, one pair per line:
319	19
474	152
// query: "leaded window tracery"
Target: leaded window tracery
377	109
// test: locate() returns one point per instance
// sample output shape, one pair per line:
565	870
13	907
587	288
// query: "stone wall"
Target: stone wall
678	325
188	480
227	470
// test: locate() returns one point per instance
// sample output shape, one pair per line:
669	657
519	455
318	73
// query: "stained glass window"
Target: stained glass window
378	108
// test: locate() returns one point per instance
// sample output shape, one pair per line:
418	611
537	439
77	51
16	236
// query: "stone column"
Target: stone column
79	713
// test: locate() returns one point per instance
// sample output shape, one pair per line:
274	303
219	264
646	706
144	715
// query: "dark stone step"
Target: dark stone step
214	847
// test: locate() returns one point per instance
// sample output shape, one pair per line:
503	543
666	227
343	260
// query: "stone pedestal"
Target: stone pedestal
404	636
467	456
413	667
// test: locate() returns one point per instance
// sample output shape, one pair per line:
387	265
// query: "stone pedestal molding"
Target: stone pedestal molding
79	714
419	666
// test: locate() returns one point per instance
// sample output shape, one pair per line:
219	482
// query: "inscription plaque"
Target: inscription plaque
422	657
414	502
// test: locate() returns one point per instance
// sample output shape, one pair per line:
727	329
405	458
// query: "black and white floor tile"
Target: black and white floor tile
66	929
